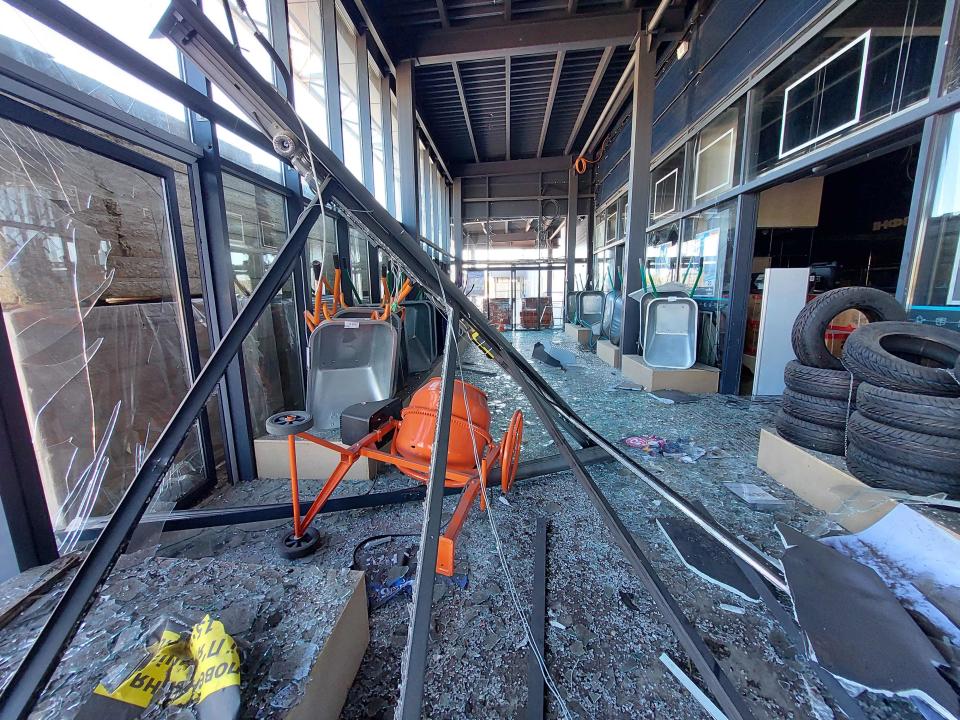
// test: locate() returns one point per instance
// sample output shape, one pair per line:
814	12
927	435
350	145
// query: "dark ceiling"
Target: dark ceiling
511	79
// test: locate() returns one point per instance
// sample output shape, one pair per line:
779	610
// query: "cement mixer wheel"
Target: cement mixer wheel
510	459
294	548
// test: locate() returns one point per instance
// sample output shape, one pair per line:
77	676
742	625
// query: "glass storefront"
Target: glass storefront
256	223
88	290
933	291
706	254
874	61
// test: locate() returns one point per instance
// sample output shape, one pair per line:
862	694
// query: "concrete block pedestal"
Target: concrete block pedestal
698	379
609	353
575	332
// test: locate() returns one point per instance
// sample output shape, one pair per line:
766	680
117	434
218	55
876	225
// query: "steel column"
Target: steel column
363	99
331	74
573	186
407	136
414	662
745	235
386	121
216	270
639	194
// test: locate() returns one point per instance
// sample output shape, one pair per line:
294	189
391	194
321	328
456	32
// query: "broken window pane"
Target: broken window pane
87	290
256	222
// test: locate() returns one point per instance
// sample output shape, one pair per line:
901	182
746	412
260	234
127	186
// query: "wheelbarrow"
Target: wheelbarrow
410	451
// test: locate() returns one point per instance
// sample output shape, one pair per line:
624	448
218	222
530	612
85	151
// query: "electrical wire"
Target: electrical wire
511	587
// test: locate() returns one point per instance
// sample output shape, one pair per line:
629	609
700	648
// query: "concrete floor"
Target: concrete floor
603	655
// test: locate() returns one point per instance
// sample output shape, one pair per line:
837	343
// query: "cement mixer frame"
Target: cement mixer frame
474	483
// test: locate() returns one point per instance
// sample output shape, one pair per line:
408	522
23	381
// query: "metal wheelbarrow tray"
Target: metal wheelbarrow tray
645	296
351	361
670	333
419	335
590	308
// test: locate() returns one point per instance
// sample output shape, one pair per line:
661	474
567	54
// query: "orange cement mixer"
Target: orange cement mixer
411	451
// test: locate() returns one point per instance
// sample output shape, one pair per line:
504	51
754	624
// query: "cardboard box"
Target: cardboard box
698	379
847	501
335	668
580	334
609	353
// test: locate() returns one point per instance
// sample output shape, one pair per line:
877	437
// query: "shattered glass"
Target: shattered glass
86	286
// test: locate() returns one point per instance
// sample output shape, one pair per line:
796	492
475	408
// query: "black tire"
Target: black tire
905	356
822	411
810	435
909	411
881	473
295	548
903	447
819	382
810	327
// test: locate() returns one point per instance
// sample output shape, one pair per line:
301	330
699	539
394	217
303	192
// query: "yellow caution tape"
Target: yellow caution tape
475	337
185	668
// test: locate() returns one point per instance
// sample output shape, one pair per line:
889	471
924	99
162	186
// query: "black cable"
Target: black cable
264	42
228	11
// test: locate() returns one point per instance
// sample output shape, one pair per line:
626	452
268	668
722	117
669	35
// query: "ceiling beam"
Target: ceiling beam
554	82
444	18
466	113
528	38
513	167
507	88
588	98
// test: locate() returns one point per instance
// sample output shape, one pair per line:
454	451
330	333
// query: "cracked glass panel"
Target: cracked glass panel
87	290
256	221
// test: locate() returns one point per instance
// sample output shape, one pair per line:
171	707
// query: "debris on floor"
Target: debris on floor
857	628
755	496
673	397
706	557
553	356
279	616
699	695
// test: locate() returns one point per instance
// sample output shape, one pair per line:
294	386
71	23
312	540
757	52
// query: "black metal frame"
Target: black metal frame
12	109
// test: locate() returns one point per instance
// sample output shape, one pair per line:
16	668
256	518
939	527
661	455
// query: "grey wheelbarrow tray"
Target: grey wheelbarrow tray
645	296
351	361
670	333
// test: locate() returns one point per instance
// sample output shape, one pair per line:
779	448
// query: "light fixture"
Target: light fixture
682	47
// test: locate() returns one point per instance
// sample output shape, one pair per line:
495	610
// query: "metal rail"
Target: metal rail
414	664
764	567
720	685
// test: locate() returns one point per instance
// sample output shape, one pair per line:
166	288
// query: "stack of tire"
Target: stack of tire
905	434
820	393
